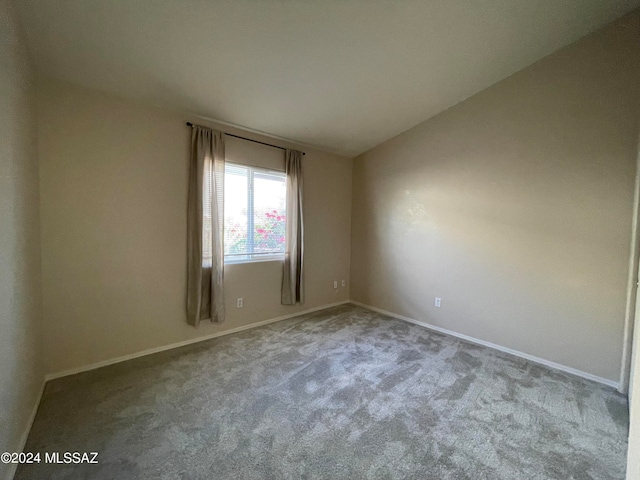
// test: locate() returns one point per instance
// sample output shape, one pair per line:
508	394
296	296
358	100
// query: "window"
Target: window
254	213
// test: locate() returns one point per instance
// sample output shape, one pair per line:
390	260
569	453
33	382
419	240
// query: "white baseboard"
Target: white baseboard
171	346
25	434
541	361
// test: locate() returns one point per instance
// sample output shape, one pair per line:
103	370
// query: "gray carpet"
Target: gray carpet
342	393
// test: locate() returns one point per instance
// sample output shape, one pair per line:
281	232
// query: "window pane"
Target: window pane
254	212
269	215
236	207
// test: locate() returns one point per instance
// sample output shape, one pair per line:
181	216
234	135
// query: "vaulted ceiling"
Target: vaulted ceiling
342	75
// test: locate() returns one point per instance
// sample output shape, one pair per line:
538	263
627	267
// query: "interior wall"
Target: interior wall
20	290
633	453
114	203
514	207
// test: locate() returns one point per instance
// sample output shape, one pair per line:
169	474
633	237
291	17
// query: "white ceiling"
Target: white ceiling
342	75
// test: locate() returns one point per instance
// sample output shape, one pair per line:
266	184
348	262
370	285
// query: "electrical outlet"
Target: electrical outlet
240	302
335	284
344	282
438	302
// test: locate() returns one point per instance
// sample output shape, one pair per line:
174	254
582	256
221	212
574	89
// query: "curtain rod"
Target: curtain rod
189	124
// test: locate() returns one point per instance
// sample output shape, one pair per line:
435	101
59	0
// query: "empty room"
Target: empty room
292	239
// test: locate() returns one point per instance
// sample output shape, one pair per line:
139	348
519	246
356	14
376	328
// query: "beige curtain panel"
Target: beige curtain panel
293	275
205	250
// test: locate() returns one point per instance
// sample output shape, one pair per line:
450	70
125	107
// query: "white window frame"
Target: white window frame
252	257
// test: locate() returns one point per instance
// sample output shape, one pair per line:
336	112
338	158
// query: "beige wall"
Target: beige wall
633	455
113	194
20	298
514	207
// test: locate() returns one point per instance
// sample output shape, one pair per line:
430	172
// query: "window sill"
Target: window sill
274	258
